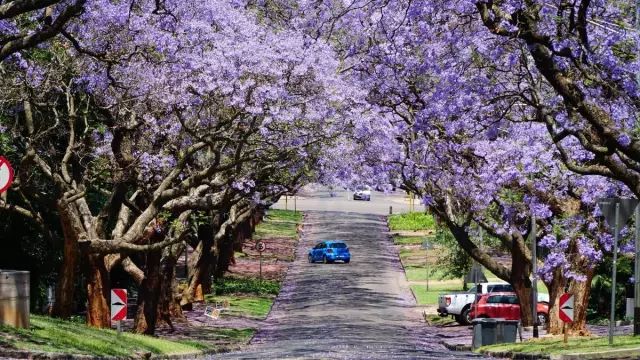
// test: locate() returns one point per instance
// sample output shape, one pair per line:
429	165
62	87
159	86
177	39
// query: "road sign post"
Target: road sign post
566	312
118	307
616	211
426	245
260	246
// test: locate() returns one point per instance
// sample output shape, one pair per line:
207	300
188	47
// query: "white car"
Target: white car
362	194
458	304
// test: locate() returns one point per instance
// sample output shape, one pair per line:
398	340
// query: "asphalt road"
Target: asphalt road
343	201
361	310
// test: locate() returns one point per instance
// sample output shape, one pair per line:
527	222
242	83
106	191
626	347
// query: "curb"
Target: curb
24	354
633	353
611	354
455	347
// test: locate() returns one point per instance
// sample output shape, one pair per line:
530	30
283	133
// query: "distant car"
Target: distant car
505	305
329	251
362	194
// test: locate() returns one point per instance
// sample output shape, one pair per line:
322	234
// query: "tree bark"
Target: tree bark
65	288
200	264
148	296
98	292
168	306
520	272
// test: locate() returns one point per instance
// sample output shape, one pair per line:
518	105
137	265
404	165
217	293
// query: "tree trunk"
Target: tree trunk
148	296
581	291
520	272
556	289
168	307
200	264
65	289
225	253
98	292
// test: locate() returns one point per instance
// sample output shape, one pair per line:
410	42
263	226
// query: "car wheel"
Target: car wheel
324	260
543	319
465	316
347	261
310	259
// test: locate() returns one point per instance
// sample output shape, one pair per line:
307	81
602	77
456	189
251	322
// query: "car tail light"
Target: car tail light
447	300
330	251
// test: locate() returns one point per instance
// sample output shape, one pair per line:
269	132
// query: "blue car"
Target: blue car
329	251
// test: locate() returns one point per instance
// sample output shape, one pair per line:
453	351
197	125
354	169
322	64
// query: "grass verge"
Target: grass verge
555	345
54	335
245	306
279	224
413	221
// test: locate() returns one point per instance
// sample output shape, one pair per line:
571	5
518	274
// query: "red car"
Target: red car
504	305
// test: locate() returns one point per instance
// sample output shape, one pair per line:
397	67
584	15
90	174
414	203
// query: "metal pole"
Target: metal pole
534	282
286	202
295	204
426	258
475	274
636	275
261	267
613	275
119	327
390	210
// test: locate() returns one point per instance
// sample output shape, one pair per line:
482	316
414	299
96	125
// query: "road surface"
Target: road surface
361	310
343	201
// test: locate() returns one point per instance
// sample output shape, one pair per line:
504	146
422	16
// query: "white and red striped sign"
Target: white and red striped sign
118	304
566	308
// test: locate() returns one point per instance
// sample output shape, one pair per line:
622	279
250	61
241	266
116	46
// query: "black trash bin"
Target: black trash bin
494	331
507	331
484	332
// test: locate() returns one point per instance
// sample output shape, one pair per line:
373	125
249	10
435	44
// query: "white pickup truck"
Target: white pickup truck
458	304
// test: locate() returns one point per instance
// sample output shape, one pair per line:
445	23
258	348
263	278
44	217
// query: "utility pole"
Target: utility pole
534	276
616	232
636	273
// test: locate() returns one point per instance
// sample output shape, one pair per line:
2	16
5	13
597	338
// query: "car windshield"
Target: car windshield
338	245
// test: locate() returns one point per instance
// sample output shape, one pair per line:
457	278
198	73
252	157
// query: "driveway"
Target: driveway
361	310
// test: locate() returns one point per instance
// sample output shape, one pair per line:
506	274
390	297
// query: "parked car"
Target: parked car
363	193
329	251
506	306
458	305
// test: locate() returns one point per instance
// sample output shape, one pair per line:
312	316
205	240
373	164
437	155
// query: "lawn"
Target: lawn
555	345
408	240
424	297
244	306
54	335
279	224
413	221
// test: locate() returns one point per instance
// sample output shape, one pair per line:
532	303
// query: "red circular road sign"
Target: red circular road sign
6	174
260	246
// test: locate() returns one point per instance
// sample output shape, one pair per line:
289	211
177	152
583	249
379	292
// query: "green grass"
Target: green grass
279	224
424	297
437	320
234	285
245	306
411	221
555	345
408	240
54	335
